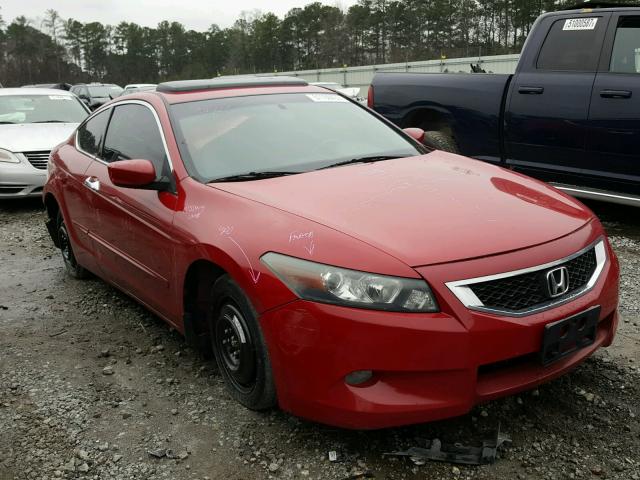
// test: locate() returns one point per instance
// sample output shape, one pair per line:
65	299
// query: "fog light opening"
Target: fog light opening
358	377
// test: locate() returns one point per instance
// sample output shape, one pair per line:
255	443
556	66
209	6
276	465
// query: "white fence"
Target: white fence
361	76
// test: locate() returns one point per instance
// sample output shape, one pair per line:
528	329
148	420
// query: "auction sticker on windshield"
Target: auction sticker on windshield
323	97
580	23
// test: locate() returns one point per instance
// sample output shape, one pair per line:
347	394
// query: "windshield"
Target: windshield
286	132
104	91
41	109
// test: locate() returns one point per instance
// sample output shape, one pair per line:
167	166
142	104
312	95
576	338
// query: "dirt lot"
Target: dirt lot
90	383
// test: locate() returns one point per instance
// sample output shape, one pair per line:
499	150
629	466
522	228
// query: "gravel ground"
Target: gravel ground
90	383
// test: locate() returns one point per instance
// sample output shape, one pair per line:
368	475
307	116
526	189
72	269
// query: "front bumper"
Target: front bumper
19	180
426	366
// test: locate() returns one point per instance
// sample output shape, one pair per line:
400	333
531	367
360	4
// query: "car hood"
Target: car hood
425	210
30	137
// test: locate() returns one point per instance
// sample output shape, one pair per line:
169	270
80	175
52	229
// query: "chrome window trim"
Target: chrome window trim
461	290
126	102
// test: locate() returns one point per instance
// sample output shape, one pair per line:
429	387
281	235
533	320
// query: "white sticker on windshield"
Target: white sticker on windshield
60	97
326	97
580	23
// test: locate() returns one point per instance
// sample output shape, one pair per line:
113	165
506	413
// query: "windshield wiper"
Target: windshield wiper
370	159
8	123
241	177
51	121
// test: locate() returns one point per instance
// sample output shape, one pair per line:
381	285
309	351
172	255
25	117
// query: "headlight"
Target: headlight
8	157
327	284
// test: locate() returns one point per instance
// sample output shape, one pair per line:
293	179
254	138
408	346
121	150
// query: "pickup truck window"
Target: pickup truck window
626	48
572	45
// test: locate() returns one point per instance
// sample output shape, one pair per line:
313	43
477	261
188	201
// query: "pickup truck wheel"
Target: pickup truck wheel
239	347
440	141
71	265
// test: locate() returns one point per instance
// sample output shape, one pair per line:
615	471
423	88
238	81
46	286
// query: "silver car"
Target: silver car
32	122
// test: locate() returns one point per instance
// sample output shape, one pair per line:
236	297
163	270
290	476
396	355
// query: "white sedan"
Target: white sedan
32	122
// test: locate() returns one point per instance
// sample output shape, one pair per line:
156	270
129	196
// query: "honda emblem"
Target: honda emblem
558	281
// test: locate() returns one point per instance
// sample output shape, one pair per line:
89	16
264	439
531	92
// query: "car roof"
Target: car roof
96	84
230	81
34	91
233	86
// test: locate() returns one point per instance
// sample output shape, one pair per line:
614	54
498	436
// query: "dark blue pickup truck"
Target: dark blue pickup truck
570	115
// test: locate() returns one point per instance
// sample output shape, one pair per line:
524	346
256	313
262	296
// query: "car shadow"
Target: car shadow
21	205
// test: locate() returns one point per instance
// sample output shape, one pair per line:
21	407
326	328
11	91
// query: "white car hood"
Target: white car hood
32	137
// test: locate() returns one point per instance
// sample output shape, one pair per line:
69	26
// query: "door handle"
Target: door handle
615	94
531	90
93	183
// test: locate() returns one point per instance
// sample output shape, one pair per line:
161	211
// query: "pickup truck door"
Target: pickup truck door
614	118
548	108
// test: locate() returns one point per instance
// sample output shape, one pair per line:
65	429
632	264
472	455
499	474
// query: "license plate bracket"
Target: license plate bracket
568	335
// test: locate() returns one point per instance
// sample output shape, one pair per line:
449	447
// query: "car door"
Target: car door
614	118
546	120
77	196
132	227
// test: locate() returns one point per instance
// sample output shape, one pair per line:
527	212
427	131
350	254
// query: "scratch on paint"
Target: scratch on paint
306	237
226	231
194	211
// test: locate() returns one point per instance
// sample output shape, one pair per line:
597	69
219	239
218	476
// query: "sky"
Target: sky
194	14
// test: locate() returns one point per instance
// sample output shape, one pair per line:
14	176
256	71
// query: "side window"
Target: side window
573	44
133	134
90	134
625	57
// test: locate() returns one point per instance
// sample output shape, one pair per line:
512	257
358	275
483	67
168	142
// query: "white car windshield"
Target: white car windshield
41	109
104	91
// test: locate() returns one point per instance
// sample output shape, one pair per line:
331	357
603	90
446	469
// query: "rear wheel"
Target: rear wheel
440	141
239	347
71	265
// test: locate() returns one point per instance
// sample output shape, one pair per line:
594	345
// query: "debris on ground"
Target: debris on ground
168	453
484	454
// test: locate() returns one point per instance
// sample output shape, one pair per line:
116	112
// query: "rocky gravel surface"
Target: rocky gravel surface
93	386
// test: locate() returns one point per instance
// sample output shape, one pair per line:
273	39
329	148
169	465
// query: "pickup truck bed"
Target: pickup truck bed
447	102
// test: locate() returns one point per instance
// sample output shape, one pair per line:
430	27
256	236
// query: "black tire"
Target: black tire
71	265
440	141
239	347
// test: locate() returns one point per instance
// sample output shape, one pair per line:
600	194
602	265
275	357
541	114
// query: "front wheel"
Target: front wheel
71	265
239	347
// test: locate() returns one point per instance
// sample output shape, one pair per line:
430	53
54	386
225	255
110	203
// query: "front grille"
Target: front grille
38	159
522	292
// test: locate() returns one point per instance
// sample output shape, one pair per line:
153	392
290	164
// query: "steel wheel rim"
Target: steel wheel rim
65	247
235	347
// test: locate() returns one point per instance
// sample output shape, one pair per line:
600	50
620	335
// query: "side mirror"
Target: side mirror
134	174
415	133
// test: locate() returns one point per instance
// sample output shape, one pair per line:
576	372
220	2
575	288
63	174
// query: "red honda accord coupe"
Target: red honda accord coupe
336	266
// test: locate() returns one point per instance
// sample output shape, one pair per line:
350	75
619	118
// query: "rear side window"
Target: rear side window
625	57
133	134
91	133
573	44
